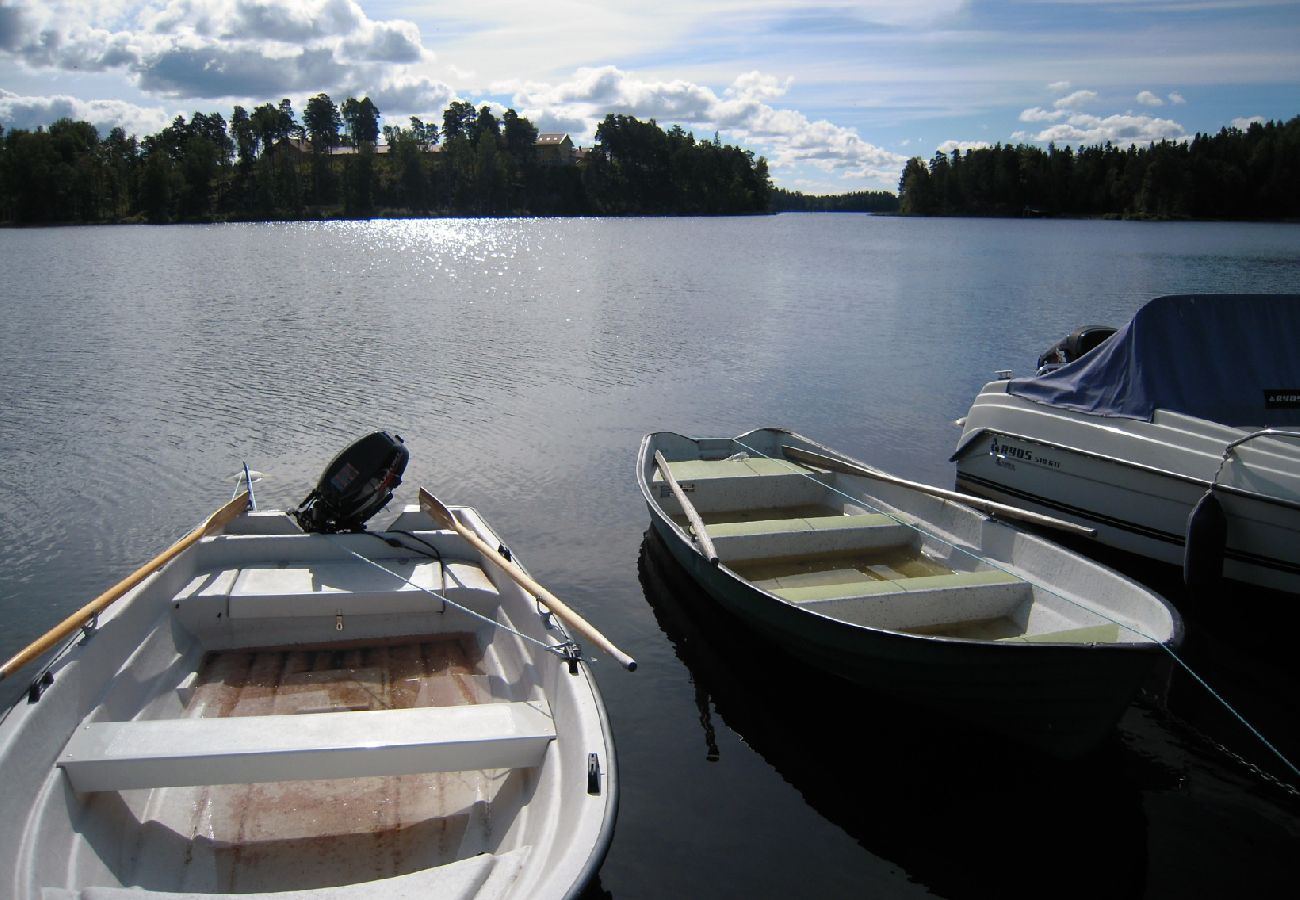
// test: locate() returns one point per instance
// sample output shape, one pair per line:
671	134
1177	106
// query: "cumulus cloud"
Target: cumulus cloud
405	96
743	112
1126	128
1146	98
967	146
1038	114
1057	87
212	48
210	72
30	112
1176	98
1075	100
1245	122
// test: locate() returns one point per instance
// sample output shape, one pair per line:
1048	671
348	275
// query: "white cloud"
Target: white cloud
1246	121
30	112
949	146
1084	129
411	96
1057	87
743	113
212	48
1146	98
1075	100
1038	114
1176	98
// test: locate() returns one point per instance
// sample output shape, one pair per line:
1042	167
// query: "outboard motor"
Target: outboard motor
355	486
1073	345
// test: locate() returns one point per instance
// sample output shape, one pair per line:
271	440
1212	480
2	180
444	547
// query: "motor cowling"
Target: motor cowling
1074	345
355	485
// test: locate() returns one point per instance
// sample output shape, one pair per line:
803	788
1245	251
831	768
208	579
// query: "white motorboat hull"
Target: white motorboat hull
270	716
1137	482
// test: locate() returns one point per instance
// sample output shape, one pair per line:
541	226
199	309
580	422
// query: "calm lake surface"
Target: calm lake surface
522	361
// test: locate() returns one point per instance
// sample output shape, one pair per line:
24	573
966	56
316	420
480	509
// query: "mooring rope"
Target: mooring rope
557	649
1136	630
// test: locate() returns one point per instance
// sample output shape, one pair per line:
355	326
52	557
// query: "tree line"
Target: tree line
1235	174
269	163
857	201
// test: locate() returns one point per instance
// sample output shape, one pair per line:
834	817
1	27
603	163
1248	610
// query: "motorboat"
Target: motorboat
906	589
1177	438
286	704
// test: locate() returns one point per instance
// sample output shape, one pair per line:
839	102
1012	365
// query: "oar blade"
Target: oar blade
436	508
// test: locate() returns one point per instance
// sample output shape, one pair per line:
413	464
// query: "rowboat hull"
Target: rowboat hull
1060	697
270	714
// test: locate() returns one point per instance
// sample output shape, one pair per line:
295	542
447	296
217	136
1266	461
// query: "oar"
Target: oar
435	507
989	506
706	544
214	522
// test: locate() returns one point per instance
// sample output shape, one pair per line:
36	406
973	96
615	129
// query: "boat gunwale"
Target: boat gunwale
963	451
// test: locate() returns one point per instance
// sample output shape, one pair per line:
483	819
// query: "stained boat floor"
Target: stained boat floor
311	834
880	564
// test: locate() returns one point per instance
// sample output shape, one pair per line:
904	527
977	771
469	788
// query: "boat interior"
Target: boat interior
304	719
794	531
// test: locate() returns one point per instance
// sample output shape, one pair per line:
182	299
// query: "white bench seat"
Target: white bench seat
114	756
719	484
349	587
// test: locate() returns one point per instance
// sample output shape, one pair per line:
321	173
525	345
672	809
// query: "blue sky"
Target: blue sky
836	95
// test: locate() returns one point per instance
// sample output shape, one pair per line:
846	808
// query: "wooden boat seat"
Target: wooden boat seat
715	484
903	603
748	467
1107	633
775	538
115	756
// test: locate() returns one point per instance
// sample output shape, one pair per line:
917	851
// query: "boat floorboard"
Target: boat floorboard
312	834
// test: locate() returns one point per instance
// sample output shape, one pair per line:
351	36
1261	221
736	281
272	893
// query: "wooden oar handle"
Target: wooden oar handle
988	506
214	522
692	515
435	507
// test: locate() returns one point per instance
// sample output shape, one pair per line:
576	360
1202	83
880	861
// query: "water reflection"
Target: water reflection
960	814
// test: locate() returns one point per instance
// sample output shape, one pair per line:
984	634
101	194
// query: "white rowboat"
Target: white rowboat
909	594
279	714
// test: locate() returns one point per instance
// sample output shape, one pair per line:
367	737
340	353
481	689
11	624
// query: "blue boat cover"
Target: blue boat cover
1228	358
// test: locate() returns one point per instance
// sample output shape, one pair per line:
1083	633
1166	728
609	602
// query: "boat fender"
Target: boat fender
355	485
1207	538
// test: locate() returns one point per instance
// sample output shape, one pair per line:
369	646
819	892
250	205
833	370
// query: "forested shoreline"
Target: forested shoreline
1235	174
268	164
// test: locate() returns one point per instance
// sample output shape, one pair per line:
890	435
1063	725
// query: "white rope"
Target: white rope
557	649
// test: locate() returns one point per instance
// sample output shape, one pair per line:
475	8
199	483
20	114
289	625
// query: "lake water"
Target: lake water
522	361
